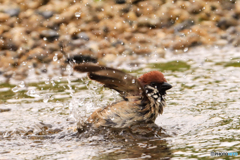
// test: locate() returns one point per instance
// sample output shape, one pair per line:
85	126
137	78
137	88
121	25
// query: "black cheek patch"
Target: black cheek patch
149	91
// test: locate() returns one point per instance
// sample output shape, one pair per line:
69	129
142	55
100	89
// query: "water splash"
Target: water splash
77	14
15	89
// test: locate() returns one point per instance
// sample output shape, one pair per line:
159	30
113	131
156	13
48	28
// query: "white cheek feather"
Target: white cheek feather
155	90
155	96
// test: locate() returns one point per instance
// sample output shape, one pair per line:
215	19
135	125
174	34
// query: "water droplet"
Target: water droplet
133	80
55	58
44	38
185	49
113	71
57	17
69	69
15	89
94	88
53	83
77	14
22	84
47	81
125	77
46	98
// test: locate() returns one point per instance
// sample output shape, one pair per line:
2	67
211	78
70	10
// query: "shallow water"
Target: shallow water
38	120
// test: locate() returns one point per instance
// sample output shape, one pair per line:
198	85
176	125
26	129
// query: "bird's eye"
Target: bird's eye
153	84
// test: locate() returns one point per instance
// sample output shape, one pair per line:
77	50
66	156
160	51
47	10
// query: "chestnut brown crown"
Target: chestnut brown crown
153	76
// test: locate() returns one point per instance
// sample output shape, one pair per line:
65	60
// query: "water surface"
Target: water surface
38	120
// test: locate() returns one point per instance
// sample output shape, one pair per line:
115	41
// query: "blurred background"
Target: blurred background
35	34
195	43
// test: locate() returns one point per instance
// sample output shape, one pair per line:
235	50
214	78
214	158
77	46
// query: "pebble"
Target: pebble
144	49
77	43
83	35
147	21
226	22
160	52
221	42
109	58
196	7
237	7
186	42
236	42
185	24
13	12
4	17
46	14
49	35
120	1
118	42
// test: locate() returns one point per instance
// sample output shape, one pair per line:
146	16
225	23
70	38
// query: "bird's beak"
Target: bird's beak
166	86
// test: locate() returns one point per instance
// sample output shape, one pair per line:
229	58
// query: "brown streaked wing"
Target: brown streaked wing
118	115
120	81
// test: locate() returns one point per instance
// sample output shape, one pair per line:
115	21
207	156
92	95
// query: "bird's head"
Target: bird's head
156	80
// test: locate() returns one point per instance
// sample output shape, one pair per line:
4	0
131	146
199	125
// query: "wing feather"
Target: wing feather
125	84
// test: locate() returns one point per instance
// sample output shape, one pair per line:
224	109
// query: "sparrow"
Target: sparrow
143	97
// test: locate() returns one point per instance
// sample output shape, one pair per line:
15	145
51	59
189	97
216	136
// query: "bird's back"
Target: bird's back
119	114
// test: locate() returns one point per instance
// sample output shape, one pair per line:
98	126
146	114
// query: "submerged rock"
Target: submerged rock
13	12
83	35
184	25
4	17
46	14
226	22
50	35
